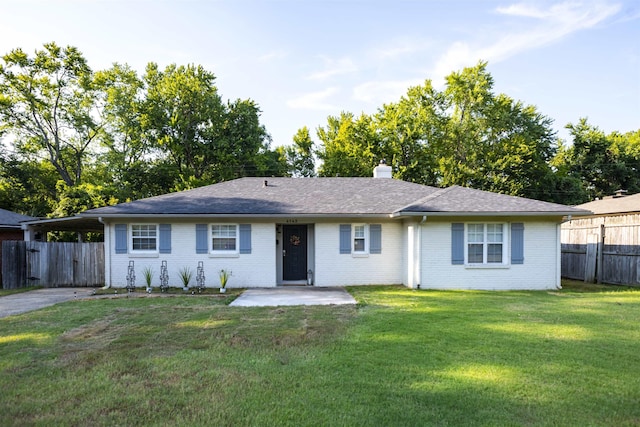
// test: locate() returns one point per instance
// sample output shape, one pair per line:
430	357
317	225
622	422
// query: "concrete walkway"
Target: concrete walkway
268	297
292	295
40	298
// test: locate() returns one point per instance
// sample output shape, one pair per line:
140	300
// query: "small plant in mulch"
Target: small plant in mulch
185	275
224	278
147	273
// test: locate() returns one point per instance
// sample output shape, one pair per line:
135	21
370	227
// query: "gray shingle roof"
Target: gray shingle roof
325	196
281	196
467	200
615	205
12	219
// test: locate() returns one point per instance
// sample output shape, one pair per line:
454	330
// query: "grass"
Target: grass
400	357
5	292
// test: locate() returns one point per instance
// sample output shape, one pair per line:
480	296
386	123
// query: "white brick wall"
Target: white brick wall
248	270
258	269
539	271
335	269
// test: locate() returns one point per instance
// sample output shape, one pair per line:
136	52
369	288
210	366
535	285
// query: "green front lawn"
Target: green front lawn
5	292
400	357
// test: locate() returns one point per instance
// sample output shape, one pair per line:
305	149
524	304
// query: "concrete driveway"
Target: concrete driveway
292	295
40	298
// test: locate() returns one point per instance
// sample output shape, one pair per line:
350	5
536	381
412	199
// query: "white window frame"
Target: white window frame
214	251
485	244
132	237
365	237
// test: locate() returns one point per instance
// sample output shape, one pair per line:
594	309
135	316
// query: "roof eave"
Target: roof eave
237	215
489	213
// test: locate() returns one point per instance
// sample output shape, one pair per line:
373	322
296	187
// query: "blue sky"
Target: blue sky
302	61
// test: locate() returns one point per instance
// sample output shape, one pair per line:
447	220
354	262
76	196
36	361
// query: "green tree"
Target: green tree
48	103
181	113
244	148
299	156
409	133
350	146
603	163
126	163
464	135
28	187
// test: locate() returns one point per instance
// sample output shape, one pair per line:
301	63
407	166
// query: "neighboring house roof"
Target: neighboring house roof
329	197
614	205
10	219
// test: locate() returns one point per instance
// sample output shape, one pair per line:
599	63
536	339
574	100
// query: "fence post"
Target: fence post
591	258
599	262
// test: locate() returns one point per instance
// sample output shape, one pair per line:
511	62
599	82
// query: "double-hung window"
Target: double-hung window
144	237
485	243
224	238
359	239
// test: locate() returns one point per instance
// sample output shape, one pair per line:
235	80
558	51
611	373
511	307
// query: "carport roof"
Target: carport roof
72	223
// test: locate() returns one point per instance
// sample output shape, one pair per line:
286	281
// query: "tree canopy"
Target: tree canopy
463	135
74	138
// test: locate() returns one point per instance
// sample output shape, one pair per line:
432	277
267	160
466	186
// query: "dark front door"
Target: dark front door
294	252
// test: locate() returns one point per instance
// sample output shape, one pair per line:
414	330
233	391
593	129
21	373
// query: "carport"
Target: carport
35	261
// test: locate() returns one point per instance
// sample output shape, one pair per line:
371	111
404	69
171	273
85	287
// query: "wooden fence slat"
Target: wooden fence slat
612	256
52	264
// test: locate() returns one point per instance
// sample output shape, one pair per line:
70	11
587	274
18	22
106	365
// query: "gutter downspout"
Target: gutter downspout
418	268
107	249
559	251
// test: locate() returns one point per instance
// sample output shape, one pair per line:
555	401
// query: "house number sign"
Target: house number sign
291	221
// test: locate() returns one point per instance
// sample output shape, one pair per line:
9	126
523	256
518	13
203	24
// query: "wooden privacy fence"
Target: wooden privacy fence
603	250
52	264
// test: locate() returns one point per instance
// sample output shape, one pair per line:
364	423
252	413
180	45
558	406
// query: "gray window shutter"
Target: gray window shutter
375	239
245	238
517	243
202	238
457	243
121	238
345	238
165	239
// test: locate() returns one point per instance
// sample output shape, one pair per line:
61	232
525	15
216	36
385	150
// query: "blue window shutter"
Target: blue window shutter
457	243
165	239
517	243
121	238
202	238
345	238
375	239
245	238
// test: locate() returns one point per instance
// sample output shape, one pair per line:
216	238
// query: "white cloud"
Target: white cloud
551	25
334	67
314	100
522	10
400	47
383	91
